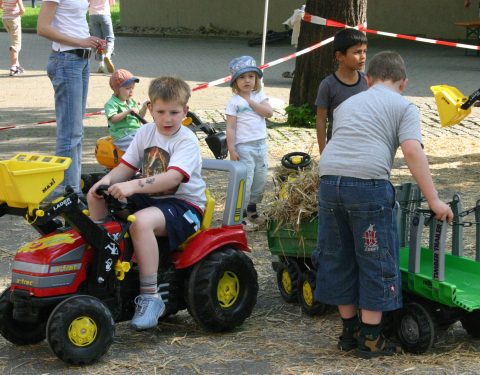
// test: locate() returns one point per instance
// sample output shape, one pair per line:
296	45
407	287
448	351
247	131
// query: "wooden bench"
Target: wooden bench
472	32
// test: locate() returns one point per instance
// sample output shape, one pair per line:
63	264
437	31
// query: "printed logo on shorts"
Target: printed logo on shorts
370	239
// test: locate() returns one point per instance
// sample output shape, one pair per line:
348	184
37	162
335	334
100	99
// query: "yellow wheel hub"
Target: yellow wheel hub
286	281
82	331
307	293
228	289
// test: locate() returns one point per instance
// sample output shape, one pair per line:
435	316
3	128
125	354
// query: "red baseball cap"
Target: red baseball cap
121	78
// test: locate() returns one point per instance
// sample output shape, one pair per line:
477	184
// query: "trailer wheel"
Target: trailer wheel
306	288
222	290
80	330
17	332
287	280
471	323
416	328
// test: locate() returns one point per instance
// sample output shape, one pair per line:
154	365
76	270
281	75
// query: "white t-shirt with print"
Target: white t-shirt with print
70	19
250	125
154	153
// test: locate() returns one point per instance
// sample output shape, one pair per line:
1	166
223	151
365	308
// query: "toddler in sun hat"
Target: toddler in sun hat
247	132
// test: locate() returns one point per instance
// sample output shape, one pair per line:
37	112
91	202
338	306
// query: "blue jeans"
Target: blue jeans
69	74
254	156
357	255
101	26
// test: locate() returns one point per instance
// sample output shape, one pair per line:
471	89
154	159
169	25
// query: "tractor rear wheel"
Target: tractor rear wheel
416	328
80	330
222	290
18	332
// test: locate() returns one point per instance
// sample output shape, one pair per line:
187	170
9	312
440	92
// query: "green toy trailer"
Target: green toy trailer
439	288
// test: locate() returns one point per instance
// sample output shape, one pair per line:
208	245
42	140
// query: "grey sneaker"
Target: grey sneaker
149	309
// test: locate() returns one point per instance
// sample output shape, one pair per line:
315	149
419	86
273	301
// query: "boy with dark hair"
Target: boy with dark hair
350	48
357	253
170	196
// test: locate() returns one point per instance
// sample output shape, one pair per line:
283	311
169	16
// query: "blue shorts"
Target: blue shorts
124	142
357	254
182	219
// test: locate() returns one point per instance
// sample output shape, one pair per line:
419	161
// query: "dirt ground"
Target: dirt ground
277	338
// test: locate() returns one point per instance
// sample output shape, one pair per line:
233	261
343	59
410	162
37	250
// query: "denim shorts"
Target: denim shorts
357	254
182	219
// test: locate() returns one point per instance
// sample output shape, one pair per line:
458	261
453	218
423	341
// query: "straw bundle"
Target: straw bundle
295	196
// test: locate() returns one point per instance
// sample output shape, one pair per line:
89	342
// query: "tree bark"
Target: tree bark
312	67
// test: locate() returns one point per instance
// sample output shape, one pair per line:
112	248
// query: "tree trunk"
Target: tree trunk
312	67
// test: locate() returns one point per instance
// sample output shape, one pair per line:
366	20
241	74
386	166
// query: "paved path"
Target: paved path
29	98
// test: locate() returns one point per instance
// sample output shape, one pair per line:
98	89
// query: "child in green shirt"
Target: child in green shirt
122	123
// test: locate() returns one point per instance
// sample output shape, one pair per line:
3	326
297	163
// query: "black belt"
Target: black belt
80	52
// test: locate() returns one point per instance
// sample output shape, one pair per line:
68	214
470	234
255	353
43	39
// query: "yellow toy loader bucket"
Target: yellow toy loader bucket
26	179
452	105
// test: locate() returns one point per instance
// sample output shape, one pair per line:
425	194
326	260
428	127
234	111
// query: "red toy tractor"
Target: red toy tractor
76	280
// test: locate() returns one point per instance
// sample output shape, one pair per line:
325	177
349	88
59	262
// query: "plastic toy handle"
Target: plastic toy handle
471	100
140	118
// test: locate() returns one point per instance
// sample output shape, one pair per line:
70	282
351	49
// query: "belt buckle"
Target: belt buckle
86	53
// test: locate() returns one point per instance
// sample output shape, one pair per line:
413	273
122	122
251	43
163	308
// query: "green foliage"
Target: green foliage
29	19
300	117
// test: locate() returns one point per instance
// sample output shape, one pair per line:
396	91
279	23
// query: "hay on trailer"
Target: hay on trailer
295	199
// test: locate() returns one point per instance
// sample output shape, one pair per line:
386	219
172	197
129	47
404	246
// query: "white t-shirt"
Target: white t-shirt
70	19
250	125
99	7
154	153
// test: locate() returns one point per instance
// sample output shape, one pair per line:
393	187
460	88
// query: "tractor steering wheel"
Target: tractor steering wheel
114	205
296	160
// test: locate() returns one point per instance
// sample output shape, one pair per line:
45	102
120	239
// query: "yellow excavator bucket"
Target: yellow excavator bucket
449	101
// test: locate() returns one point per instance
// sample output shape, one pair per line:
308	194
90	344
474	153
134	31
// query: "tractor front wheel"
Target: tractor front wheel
18	332
222	290
80	330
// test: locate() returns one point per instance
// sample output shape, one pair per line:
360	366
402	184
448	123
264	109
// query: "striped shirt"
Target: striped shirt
11	10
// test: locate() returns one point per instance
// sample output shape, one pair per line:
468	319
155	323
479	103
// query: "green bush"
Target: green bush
300	117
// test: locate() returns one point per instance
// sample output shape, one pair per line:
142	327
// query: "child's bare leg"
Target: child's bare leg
347	311
150	222
96	207
371	317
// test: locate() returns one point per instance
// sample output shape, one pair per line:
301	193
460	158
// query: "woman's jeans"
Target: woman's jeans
101	26
69	74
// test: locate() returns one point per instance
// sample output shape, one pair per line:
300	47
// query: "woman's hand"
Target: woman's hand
91	42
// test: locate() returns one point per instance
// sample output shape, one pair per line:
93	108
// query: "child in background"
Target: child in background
247	131
102	27
357	203
350	48
122	124
170	196
13	11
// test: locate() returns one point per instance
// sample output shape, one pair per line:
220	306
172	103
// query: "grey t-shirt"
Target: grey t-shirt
332	92
369	127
